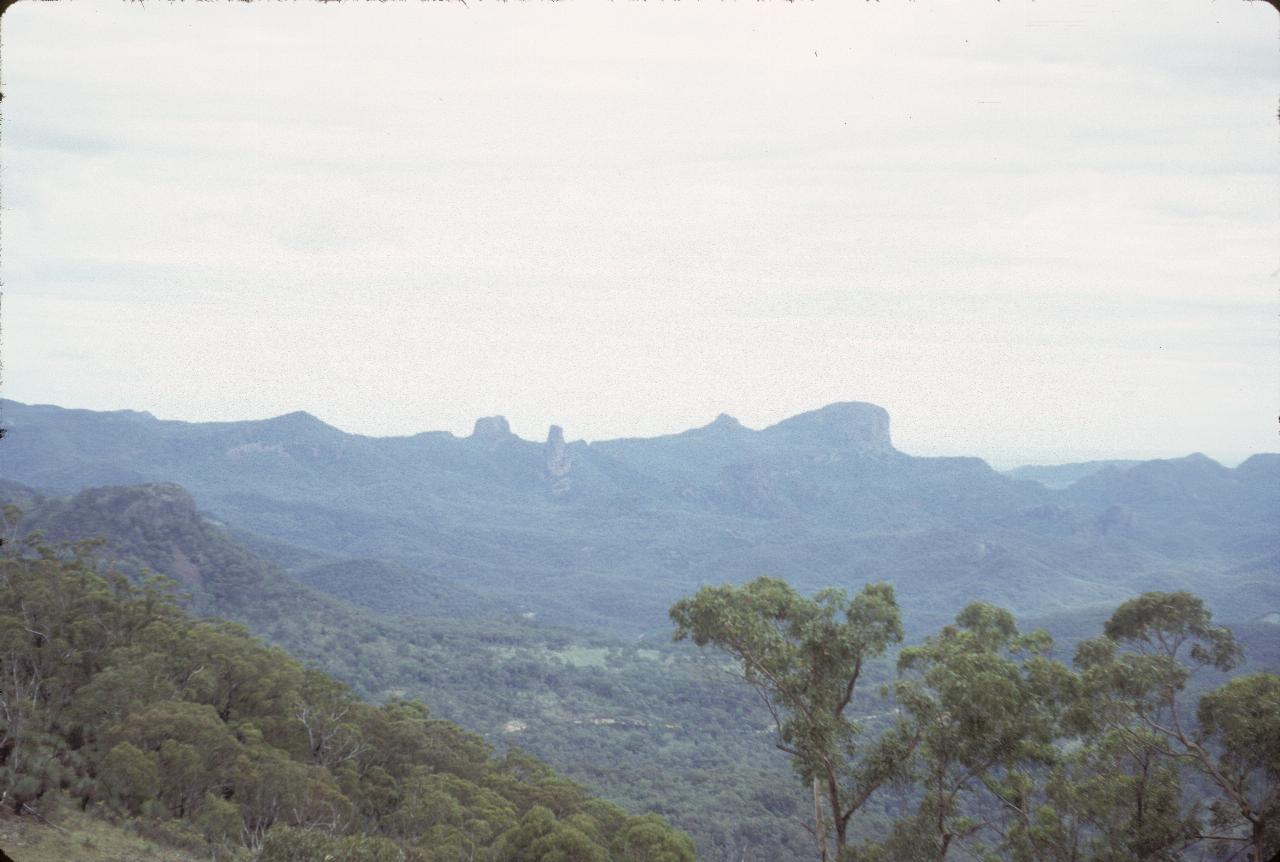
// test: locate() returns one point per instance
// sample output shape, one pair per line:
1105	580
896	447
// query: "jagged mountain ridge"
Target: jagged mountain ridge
607	533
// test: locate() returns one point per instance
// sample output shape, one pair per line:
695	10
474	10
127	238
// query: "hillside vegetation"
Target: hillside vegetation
112	696
649	725
192	736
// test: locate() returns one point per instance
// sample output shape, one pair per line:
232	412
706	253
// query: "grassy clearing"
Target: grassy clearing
82	837
579	656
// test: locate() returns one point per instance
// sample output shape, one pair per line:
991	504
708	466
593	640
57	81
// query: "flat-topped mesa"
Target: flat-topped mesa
558	463
853	426
491	428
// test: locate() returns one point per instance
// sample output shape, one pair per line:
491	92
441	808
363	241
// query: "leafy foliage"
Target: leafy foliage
1001	752
805	657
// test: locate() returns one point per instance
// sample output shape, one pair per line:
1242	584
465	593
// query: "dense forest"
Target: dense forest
647	724
117	699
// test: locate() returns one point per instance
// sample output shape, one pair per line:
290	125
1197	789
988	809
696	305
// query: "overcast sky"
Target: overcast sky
1033	231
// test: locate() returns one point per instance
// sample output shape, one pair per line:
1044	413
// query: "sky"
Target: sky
1034	232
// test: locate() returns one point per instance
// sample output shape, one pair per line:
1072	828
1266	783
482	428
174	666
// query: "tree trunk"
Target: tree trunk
838	821
819	828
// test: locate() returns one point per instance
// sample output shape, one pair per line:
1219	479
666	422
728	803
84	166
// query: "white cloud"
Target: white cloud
1023	228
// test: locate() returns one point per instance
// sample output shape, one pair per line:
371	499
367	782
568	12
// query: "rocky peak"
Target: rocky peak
153	503
850	426
724	422
297	421
558	463
491	428
296	418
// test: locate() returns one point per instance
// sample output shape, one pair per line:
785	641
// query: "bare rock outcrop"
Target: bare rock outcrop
491	428
852	426
558	463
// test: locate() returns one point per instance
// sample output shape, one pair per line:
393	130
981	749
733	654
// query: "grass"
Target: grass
75	835
579	656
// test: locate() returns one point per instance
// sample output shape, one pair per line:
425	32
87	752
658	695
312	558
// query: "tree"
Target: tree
985	701
59	621
326	711
652	839
1136	674
1241	723
272	788
109	690
805	657
195	751
539	837
287	844
220	823
1115	799
129	776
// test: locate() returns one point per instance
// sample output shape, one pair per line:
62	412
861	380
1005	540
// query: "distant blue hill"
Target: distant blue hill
608	534
1061	475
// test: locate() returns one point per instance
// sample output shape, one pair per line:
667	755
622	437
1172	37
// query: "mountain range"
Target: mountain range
607	534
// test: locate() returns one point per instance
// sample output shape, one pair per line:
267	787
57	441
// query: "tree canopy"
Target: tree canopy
805	658
992	748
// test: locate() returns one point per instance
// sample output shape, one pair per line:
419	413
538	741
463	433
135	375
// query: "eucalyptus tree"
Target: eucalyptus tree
1137	674
805	658
1240	724
1112	797
985	702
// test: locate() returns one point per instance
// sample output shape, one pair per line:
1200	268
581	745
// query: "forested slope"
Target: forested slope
113	696
651	725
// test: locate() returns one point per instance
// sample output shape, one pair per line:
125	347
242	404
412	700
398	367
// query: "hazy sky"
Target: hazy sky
1033	231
